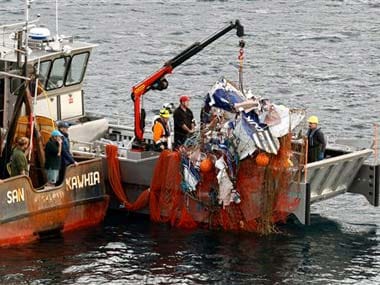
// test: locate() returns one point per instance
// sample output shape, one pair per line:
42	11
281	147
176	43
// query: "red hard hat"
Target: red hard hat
184	98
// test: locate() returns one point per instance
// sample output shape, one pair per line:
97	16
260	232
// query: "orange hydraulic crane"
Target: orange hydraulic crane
157	80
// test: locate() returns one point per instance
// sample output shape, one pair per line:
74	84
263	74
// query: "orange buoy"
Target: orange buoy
262	159
206	165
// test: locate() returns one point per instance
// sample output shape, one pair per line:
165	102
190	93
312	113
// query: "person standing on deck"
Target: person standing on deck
161	130
184	124
53	151
316	141
66	157
19	163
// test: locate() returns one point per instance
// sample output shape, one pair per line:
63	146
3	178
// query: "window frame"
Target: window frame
84	68
66	72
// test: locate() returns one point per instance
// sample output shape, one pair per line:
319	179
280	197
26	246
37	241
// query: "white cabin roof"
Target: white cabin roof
37	49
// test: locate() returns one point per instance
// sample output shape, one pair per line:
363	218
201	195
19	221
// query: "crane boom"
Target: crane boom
157	80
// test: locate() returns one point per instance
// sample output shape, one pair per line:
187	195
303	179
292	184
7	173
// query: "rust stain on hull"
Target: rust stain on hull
80	201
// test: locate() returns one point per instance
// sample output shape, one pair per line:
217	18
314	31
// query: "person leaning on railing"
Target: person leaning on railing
53	151
66	156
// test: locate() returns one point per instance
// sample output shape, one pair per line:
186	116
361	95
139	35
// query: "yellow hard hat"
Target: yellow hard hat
164	113
313	120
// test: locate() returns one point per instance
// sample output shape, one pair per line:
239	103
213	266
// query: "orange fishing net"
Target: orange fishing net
264	193
167	201
115	181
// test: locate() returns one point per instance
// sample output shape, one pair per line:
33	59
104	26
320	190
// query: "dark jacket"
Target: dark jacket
316	144
52	159
182	117
67	158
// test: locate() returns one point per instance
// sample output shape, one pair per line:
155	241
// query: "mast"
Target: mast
26	43
56	20
7	151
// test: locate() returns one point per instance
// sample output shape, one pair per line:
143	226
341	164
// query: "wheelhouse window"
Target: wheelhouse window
57	73
77	69
63	71
44	71
16	84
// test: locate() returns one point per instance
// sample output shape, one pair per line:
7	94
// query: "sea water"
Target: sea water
319	55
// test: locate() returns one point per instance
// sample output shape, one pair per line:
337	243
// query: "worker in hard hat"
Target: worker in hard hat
161	130
184	123
316	140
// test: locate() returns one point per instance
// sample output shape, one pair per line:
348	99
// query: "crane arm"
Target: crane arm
157	80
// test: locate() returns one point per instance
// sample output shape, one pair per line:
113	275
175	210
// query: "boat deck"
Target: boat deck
344	170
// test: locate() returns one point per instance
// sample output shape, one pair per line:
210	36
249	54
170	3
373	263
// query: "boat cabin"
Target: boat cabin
30	209
60	66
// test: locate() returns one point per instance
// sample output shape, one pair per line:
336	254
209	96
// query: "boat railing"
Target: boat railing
7	30
116	119
98	148
347	143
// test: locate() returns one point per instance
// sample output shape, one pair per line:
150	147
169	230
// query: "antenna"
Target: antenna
28	3
56	19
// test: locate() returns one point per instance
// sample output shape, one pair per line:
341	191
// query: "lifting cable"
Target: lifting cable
241	61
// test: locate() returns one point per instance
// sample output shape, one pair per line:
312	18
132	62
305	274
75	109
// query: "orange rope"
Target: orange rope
186	220
115	181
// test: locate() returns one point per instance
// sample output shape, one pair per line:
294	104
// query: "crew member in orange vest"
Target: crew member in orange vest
161	130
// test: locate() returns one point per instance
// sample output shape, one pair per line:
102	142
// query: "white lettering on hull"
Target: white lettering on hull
16	196
82	181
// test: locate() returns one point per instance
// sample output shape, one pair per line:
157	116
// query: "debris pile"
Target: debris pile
235	172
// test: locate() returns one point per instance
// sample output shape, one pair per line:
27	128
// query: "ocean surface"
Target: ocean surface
323	55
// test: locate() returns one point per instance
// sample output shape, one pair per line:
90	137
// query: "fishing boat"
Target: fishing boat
40	82
171	186
269	181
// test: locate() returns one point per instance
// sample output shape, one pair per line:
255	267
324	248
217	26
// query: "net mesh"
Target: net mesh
115	181
264	193
262	180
